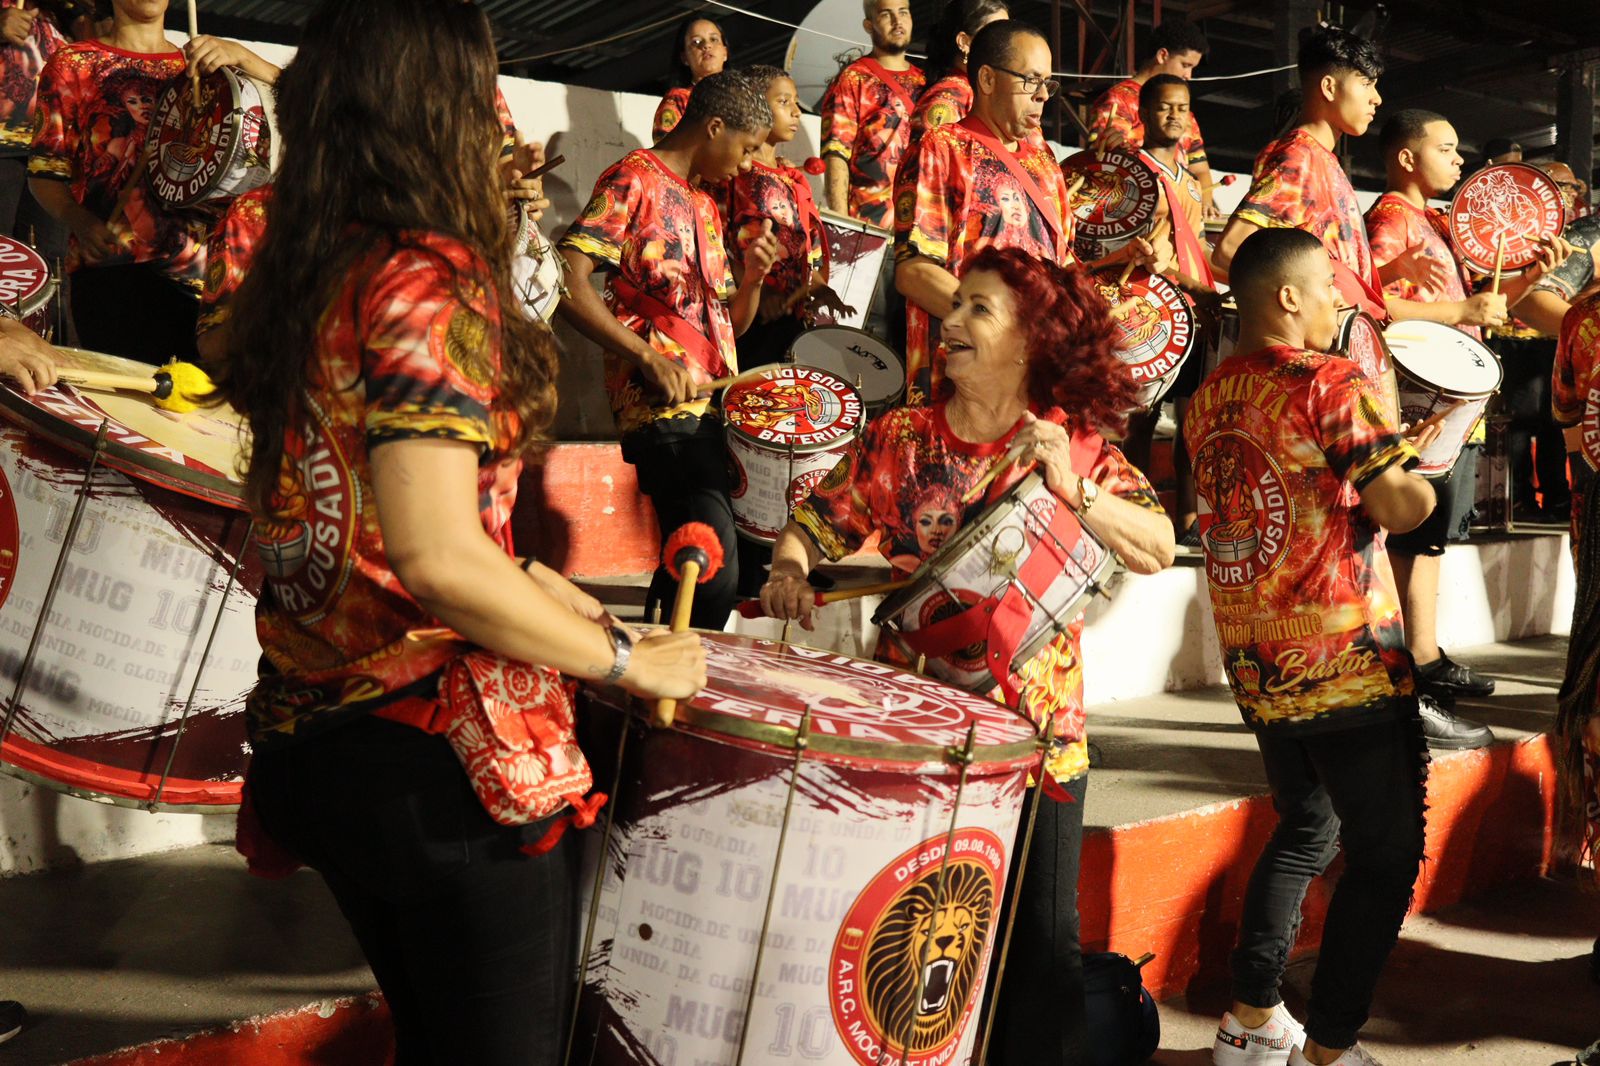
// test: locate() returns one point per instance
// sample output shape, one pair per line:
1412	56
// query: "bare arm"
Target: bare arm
787	594
836	184
1543	310
926	284
24	358
427	496
207	54
1202	174
1233	235
589	315
1482	309
1398	500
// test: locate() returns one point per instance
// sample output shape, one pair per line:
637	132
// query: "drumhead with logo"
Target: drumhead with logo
223	147
1119	196
1513	200
799	408
1156	328
1444	359
26	287
1361	341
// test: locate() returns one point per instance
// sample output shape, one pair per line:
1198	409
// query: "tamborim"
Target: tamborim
27	290
1156	328
1441	368
857	356
828	790
210	154
1513	200
1117	202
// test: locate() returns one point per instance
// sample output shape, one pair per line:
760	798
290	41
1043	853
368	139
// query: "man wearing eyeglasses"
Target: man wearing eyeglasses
988	181
866	117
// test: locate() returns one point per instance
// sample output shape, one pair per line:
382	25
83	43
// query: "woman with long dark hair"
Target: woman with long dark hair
950	97
1031	372
698	49
392	387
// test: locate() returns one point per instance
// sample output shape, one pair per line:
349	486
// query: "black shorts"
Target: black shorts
1457	491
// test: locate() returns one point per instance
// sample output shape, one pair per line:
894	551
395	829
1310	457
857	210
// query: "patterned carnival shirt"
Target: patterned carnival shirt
1299	184
781	194
659	240
1575	397
1118	109
669	112
1180	193
957	196
20	66
1284	440
1395	224
404	351
229	253
95	103
945	101
867	123
905	479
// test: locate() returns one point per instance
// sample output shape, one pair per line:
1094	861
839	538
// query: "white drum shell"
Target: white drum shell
1439	367
856	356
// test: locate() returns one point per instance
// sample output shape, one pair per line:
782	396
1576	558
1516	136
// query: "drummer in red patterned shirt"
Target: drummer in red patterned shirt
1297	471
1176	48
949	98
866	117
30	33
671	312
988	181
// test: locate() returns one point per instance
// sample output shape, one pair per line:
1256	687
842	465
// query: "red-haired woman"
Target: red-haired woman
1030	370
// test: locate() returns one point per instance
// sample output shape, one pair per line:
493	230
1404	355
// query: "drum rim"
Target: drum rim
736	432
1145	278
1133	163
235	79
79	441
31	305
899	378
182	785
851	223
1507	268
1398	362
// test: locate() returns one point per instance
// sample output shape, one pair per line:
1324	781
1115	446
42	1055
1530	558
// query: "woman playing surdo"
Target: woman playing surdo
391	387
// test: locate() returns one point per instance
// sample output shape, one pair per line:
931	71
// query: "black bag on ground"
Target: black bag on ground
1124	1028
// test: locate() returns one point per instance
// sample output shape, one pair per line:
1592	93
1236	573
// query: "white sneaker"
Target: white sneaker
1271	1044
1355	1055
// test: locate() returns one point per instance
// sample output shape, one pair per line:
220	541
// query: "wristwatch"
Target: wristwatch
1089	492
622	650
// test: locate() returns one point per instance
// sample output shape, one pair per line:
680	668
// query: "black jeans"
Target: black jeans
1525	393
472	941
135	311
1362	787
687	480
1040	1018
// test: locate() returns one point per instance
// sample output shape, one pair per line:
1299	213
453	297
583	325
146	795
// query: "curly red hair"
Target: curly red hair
1069	339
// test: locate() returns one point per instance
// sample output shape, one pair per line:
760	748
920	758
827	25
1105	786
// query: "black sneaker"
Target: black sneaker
1445	731
1446	679
12	1019
1191	537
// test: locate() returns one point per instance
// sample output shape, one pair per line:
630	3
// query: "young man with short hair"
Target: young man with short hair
866	117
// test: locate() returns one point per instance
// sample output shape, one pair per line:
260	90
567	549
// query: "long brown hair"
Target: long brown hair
388	122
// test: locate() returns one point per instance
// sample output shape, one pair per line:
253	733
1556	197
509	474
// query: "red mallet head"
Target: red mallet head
693	542
815	166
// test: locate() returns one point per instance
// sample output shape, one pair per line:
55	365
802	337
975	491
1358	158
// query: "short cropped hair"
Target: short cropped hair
1331	50
1406	127
1266	259
1178	35
762	76
996	45
734	97
1150	91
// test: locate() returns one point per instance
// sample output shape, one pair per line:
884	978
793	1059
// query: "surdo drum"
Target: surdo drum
1514	201
27	290
1117	202
1440	368
208	155
786	428
808	866
859	358
1156	329
996	592
127	626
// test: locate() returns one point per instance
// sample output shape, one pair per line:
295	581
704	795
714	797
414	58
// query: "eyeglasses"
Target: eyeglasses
1031	84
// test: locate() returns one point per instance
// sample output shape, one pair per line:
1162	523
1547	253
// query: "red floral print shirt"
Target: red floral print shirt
229	253
781	194
20	66
868	124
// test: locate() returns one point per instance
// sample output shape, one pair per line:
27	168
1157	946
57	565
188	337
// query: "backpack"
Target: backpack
1124	1028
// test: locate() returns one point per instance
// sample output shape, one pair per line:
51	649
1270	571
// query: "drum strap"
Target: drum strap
669	322
1358	291
1192	259
877	70
1048	211
810	217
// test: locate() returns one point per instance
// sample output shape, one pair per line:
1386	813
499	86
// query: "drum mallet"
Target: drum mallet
176	387
753	608
692	555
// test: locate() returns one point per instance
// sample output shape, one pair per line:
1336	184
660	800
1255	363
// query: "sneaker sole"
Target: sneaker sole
1228	1055
1458	745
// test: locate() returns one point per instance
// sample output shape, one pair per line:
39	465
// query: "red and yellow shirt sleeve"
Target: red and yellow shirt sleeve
20	67
868	124
229	253
669	112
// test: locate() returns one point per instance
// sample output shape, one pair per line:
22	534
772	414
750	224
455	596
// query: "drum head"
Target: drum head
1514	200
197	454
793	407
1443	359
856	356
1156	328
25	282
1119	197
208	152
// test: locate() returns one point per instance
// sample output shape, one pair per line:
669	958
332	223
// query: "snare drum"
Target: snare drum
1156	329
538	272
880	934
787	426
27	290
1441	368
1028	557
1500	214
208	155
857	356
146	642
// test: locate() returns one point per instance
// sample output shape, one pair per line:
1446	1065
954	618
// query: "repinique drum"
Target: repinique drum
27	289
1156	329
1441	368
857	255
801	870
126	619
1014	578
859	358
786	427
1361	341
210	154
1117	202
1516	202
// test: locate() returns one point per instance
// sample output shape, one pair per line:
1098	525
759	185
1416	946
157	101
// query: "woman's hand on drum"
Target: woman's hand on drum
1484	309
675	384
24	358
789	596
666	665
1046	444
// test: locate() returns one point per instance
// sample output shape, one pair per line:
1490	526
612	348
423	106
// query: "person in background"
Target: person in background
698	49
949	98
866	117
29	36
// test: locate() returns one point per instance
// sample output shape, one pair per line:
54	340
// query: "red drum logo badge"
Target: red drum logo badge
794	405
1155	328
23	274
1245	510
1513	201
909	960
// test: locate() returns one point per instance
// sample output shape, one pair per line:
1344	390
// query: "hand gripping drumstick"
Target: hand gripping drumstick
752	608
692	555
177	387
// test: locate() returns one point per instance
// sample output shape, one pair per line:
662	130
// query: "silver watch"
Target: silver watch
621	649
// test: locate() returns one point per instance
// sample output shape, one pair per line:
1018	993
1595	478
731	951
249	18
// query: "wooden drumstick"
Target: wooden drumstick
994	471
753	608
1434	419
1499	263
721	383
1127	272
692	555
194	31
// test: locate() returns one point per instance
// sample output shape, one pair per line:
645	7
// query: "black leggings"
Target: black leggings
135	311
472	941
1361	786
687	480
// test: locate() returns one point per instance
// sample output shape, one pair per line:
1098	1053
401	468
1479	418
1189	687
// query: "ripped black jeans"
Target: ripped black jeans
1361	787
